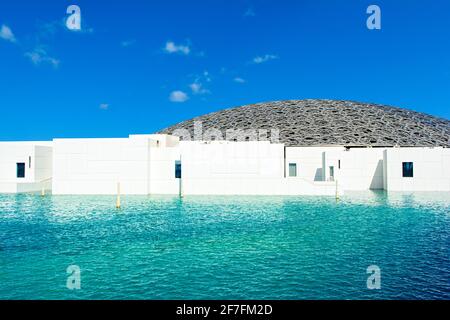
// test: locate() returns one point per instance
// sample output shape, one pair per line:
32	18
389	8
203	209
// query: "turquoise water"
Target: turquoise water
226	247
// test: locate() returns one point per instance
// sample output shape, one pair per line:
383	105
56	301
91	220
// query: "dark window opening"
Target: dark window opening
21	170
339	164
292	169
177	169
408	169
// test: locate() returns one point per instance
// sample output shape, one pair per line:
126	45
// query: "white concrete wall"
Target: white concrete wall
263	186
10	155
37	157
96	166
43	163
158	140
145	164
242	168
162	170
360	168
142	164
431	169
220	159
309	161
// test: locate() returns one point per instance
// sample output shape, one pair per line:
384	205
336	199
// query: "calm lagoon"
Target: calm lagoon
159	247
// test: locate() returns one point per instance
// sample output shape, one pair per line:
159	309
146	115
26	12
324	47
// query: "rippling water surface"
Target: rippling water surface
226	247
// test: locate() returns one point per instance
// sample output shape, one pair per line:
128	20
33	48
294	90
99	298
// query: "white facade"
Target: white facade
146	164
35	162
242	168
431	170
139	163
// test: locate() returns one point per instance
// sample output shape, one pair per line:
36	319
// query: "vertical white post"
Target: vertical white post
337	191
181	180
118	196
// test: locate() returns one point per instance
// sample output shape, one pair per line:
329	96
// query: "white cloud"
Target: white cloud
104	106
127	43
264	58
89	30
7	34
39	55
206	76
239	80
178	96
197	88
48	30
249	13
171	47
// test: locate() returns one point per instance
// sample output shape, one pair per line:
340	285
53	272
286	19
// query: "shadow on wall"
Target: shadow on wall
318	176
377	179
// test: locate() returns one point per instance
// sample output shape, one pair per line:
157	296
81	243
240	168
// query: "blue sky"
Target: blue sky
139	66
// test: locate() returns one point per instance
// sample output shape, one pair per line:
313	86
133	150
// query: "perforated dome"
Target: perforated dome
330	122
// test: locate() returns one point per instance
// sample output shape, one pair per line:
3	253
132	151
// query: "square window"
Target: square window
20	171
292	169
408	169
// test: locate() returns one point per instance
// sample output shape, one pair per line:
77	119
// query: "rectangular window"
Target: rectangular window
21	170
292	169
332	173
178	169
408	169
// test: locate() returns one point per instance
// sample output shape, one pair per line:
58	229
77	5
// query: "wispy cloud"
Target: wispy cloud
197	88
249	13
46	33
40	56
127	43
178	96
239	80
48	30
37	51
207	76
88	30
264	58
7	34
171	47
104	106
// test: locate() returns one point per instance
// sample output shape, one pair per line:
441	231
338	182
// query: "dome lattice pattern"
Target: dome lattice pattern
330	122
